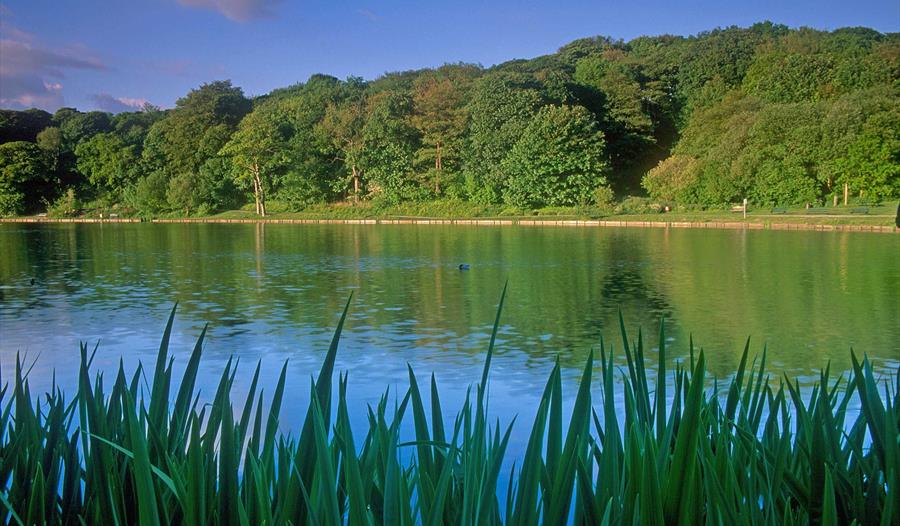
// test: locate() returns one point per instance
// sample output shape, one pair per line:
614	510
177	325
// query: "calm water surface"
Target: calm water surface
275	292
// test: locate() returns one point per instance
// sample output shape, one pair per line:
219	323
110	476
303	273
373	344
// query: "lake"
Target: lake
275	292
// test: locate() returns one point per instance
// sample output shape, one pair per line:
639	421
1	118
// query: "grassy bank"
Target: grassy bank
630	210
882	214
685	451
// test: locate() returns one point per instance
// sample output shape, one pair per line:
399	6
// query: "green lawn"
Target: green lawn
880	215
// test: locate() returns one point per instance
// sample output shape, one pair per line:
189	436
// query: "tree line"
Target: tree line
778	115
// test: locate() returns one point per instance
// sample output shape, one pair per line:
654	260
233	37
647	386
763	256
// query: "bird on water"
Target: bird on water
463	266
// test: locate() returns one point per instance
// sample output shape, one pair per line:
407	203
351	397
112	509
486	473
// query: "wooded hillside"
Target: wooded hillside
780	116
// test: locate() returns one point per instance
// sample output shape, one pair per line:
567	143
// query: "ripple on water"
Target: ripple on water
275	294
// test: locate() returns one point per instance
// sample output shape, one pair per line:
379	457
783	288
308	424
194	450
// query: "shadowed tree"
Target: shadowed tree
22	125
24	172
439	115
342	130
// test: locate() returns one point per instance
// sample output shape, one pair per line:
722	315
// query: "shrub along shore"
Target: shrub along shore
630	223
685	451
880	218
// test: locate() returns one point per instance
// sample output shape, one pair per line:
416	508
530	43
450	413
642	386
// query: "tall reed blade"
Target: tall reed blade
763	453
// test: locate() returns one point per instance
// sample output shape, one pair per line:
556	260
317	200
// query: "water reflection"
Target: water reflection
273	292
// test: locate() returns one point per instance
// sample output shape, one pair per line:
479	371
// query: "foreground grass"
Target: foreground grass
754	452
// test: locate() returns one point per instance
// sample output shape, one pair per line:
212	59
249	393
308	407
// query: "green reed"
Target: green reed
684	452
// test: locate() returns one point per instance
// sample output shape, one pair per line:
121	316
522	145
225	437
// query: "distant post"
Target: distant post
745	208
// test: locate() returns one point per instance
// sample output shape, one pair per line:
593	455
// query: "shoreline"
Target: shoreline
719	225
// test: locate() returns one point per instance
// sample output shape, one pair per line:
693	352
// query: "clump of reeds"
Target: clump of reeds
683	453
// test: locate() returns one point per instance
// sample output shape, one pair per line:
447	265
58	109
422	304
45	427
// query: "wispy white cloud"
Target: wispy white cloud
237	10
23	58
10	31
368	14
107	102
31	74
31	93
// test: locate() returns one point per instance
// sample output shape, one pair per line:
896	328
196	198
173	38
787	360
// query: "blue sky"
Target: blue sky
116	54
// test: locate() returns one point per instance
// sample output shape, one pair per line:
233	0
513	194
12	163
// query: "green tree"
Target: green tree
788	77
559	160
870	112
341	130
108	162
133	126
389	152
22	125
722	56
779	160
622	109
311	170
24	171
80	127
148	195
716	136
50	140
674	179
183	137
182	142
258	153
74	127
575	51
871	166
500	110
439	115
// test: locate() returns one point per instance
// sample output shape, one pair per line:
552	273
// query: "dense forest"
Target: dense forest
777	115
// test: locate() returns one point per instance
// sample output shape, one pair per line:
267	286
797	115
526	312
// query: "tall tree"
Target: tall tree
500	110
182	142
185	129
342	130
439	115
720	57
310	170
258	152
871	167
624	110
133	126
390	143
558	161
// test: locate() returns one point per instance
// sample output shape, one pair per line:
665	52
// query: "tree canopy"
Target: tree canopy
769	113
